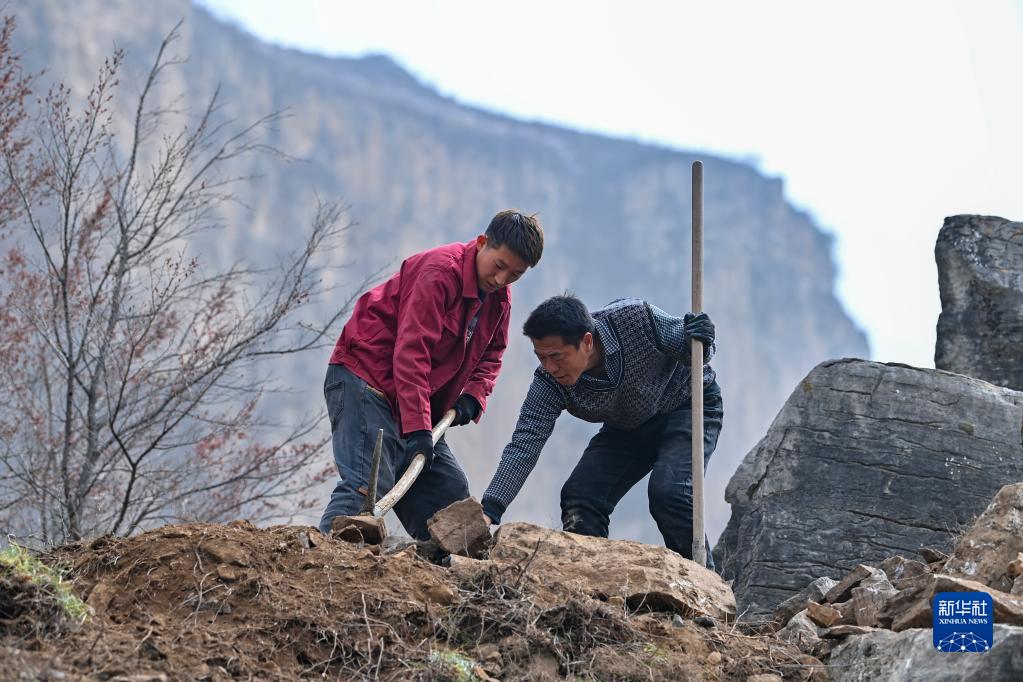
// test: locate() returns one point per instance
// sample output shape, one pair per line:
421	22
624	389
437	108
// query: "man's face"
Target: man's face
563	361
498	267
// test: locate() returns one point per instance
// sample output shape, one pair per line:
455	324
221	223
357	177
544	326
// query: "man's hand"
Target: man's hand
467	408
416	442
698	327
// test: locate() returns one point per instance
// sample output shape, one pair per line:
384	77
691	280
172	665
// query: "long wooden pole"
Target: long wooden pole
699	548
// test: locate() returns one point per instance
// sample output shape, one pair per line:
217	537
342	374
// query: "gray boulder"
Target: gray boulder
980	278
910	655
864	461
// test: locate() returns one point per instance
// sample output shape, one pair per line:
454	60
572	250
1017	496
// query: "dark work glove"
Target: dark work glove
698	327
419	441
467	408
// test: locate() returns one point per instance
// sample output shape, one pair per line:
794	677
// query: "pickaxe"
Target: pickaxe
368	526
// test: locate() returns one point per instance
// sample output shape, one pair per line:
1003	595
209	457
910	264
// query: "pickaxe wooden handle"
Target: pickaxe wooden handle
412	472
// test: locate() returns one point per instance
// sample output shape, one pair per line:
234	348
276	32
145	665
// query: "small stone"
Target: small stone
847	611
392	544
617	601
904	599
822	614
932	556
815	591
1015	567
900	568
870	597
461	528
677	620
225	551
916	582
440	594
705	621
363	528
843	590
916	616
227	573
305	540
845	631
714	658
801	632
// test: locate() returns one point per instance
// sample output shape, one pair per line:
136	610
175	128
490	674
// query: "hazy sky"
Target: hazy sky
881	117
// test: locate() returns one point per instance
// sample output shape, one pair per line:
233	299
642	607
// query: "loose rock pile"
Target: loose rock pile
825	618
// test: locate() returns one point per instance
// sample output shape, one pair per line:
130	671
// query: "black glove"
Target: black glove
416	442
467	408
698	327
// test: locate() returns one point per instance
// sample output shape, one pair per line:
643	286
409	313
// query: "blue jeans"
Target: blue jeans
617	459
356	414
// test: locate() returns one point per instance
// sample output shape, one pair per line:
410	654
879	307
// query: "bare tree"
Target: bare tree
131	395
15	88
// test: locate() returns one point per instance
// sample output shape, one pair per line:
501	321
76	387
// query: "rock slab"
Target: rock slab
980	280
646	576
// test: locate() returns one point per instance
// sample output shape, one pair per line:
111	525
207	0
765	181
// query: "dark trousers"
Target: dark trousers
617	459
356	414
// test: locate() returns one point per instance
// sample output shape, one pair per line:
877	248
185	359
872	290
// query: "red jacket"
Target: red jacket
407	337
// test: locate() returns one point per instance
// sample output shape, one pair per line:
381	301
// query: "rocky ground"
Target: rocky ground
213	602
875	623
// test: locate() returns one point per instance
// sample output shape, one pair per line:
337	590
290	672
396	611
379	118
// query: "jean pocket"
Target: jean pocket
335	396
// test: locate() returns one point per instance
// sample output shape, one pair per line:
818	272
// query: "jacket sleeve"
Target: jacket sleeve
541	409
484	376
672	338
424	300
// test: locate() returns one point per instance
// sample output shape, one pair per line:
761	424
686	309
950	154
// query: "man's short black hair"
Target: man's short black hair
565	316
519	232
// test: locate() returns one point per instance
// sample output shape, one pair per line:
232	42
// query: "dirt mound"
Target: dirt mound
26	609
219	602
34	600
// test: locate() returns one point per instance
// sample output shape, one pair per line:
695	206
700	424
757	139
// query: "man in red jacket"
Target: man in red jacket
427	340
